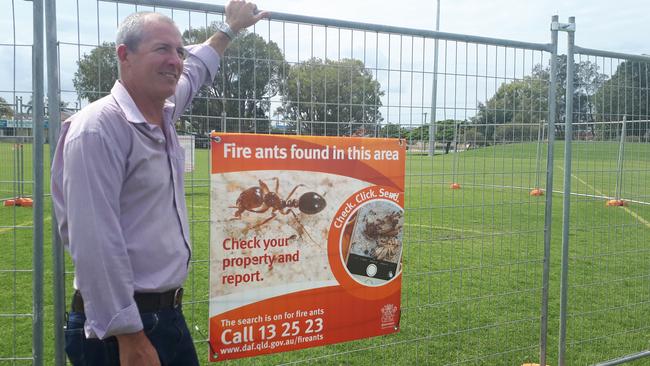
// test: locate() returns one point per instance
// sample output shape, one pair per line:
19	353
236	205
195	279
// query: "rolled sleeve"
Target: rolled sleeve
126	321
209	57
92	181
199	69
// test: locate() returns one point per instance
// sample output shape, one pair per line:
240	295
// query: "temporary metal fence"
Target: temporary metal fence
480	116
474	270
21	184
605	277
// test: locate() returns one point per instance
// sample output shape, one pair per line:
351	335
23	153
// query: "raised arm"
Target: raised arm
201	66
240	14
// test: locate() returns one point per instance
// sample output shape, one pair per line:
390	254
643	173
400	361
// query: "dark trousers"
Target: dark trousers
166	329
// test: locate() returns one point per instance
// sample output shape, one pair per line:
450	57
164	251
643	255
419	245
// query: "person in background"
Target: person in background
117	190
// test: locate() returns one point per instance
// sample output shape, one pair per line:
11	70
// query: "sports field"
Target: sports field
472	267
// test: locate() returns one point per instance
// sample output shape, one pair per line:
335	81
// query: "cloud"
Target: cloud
620	27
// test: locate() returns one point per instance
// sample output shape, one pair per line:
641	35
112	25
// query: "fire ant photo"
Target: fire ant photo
259	199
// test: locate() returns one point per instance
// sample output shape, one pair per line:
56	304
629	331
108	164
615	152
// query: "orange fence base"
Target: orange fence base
616	203
19	201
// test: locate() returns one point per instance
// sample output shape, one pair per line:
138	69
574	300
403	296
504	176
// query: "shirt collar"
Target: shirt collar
131	111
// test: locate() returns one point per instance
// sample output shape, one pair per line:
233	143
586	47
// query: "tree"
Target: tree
96	72
28	107
5	109
473	137
447	132
332	98
420	133
250	75
525	101
520	101
625	95
587	81
512	132
392	130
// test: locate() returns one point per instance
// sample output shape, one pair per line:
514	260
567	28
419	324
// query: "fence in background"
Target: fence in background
605	279
21	185
478	261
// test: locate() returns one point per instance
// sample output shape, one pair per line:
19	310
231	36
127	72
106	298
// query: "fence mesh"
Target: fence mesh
16	184
473	256
610	211
475	181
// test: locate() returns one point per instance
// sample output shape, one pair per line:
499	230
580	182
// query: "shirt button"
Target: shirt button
160	141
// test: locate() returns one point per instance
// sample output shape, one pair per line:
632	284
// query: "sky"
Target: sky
621	26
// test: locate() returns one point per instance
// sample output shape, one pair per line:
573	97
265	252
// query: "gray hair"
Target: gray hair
131	30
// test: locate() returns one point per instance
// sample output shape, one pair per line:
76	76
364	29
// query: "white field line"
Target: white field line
437	227
632	213
452	229
637	216
197	206
603	196
554	191
24	225
599	195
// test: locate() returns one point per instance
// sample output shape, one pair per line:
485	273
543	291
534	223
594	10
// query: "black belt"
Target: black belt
148	302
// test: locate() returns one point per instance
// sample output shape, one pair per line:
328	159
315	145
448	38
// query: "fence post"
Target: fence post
568	136
548	212
54	119
37	192
619	164
434	90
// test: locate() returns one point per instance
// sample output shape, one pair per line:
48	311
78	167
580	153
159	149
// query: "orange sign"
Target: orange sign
306	241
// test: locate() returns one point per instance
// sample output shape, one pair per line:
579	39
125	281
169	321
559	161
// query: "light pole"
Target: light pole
434	91
298	97
421	142
437	15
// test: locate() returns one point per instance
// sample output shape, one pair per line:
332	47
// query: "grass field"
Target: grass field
473	262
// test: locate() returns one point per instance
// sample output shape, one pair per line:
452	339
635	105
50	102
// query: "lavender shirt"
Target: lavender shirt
117	188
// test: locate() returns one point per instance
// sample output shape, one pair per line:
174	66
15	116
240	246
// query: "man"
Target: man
117	188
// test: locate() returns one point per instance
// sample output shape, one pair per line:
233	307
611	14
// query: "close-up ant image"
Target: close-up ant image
375	242
260	199
295	208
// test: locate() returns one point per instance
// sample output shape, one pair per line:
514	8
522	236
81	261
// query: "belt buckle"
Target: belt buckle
178	297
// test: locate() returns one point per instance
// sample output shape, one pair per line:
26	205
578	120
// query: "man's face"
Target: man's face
156	66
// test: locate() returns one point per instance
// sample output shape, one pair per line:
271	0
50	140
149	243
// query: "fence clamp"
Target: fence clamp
564	27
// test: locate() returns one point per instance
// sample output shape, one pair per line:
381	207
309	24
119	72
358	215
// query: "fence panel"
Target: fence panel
18	268
608	292
474	233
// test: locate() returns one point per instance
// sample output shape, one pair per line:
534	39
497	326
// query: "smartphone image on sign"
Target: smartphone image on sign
376	242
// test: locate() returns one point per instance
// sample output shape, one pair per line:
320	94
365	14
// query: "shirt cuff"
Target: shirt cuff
208	56
126	321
